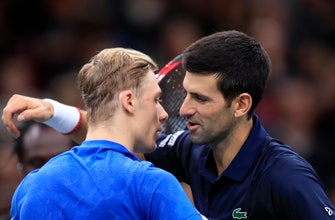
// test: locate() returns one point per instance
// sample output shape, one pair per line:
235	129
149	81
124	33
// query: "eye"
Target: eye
200	98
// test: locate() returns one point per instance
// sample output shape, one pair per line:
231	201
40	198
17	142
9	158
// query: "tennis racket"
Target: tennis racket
170	79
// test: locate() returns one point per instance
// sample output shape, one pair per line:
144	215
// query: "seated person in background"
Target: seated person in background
10	177
37	144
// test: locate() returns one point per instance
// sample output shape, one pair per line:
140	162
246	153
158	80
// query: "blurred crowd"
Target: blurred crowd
45	42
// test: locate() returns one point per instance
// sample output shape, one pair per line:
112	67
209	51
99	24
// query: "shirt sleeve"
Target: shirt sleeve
173	154
298	192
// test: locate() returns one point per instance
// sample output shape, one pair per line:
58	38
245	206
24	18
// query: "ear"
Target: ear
242	104
126	98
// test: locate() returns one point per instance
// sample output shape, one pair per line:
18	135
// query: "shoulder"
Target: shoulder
179	143
285	173
152	179
173	139
278	160
289	183
147	172
158	188
282	157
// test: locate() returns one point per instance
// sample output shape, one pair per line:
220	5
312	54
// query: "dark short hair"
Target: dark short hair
238	60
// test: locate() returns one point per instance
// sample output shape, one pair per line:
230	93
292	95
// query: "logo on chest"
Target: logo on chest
237	214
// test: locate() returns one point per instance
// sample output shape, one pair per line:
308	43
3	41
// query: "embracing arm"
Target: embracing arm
28	108
43	110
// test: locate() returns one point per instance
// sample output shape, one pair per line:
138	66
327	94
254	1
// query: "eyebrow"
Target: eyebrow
208	98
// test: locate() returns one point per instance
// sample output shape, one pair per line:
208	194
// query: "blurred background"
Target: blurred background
45	42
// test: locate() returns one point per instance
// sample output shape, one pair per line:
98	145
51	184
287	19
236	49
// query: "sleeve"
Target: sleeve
172	154
301	195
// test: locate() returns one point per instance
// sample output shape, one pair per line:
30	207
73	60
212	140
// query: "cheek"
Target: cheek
151	112
216	116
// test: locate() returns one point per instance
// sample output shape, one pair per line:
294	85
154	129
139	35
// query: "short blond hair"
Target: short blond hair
108	73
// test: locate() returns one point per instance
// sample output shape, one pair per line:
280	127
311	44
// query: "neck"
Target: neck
226	150
110	133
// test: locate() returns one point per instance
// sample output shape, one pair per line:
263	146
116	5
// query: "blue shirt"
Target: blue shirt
100	180
266	179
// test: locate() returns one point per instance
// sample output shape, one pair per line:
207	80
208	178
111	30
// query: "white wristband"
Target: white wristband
66	119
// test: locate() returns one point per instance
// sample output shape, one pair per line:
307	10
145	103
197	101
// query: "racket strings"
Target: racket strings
172	99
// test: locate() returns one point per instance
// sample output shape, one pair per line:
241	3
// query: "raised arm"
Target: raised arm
29	108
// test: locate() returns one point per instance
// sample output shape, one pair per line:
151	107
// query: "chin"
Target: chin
196	139
153	147
150	148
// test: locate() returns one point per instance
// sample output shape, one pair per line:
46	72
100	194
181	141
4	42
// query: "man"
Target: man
234	168
102	178
37	144
10	177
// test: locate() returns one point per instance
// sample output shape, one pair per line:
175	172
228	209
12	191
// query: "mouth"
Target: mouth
192	125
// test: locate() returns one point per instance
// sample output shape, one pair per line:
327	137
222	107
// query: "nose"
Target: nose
183	108
163	115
